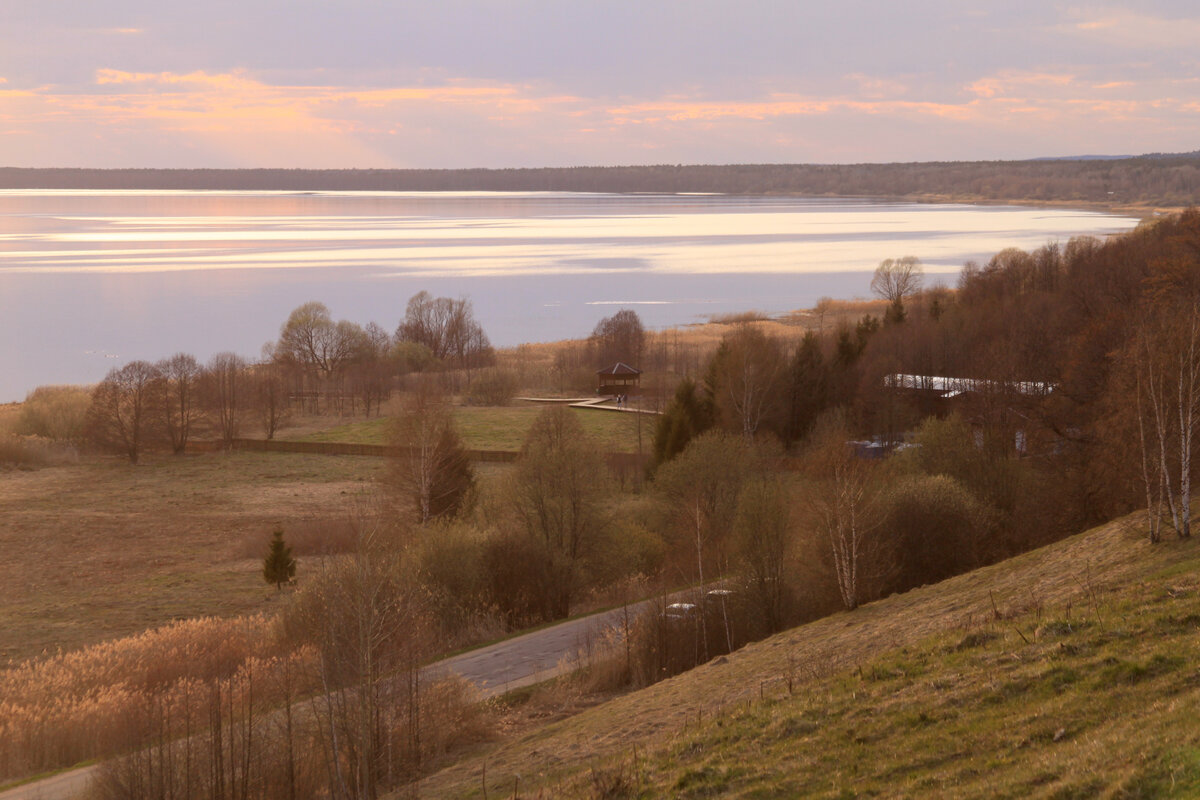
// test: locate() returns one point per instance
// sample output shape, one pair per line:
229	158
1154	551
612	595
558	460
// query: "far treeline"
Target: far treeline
1159	179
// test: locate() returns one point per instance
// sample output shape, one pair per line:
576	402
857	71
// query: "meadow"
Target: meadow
101	549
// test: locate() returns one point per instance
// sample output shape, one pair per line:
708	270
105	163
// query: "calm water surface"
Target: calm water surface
91	280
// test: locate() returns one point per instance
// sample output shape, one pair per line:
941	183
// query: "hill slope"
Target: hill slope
1070	671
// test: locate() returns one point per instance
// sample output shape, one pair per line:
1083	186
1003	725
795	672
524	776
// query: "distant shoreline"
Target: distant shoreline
1140	186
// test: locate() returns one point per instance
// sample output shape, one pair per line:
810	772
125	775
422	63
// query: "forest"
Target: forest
795	470
1171	180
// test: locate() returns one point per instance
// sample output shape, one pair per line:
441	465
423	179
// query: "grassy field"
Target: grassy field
504	428
104	549
1067	672
101	549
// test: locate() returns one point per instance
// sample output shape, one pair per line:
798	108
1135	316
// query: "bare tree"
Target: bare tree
269	390
448	328
225	394
897	278
320	348
747	379
431	470
701	486
371	370
311	337
558	491
120	411
844	501
762	529
370	627
178	402
620	337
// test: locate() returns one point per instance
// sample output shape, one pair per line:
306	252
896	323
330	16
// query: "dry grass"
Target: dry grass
9	412
73	706
538	359
101	549
31	452
1076	573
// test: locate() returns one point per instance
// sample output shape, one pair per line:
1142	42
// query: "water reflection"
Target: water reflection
142	274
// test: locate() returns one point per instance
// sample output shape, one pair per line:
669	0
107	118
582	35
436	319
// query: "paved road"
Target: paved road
63	786
530	657
498	668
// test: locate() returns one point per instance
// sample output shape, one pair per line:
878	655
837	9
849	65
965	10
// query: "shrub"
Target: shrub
54	412
450	559
28	452
939	528
492	387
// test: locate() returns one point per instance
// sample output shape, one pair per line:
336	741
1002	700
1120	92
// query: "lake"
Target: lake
90	280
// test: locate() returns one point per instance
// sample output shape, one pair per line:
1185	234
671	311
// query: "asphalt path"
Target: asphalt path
531	657
497	668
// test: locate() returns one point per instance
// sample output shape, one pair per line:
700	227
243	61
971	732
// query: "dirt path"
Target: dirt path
596	403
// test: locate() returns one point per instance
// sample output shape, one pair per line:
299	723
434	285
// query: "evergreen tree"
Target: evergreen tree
895	313
809	387
431	473
689	414
278	566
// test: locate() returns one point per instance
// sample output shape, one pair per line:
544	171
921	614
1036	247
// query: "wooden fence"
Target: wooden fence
617	461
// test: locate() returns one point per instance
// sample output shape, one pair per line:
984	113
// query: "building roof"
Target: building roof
952	387
619	368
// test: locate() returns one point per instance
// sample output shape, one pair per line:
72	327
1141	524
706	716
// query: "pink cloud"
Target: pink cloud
233	117
1008	81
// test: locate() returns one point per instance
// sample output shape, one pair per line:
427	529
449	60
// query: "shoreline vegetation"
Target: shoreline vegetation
1140	184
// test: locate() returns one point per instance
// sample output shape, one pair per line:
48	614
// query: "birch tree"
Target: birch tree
369	624
844	499
747	377
1165	358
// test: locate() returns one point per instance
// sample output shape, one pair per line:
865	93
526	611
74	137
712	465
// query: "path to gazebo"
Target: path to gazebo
588	402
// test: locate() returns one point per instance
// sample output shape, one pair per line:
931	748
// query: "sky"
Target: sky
529	83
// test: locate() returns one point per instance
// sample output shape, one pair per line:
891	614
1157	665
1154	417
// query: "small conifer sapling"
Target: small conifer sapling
278	566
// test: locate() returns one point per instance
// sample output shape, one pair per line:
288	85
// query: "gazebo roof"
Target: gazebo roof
619	368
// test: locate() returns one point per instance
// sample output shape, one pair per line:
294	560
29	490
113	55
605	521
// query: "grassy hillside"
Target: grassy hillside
1071	671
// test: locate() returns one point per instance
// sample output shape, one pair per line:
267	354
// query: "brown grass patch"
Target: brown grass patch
29	452
101	549
306	537
9	412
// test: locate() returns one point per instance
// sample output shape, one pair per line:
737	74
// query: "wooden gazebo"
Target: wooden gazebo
618	379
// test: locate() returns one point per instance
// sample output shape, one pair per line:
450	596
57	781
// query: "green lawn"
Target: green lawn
504	428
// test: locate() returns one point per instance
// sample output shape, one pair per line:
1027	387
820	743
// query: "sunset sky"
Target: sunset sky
503	83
